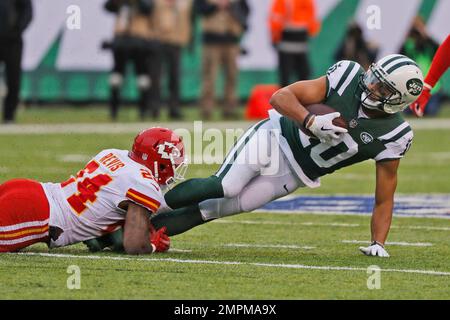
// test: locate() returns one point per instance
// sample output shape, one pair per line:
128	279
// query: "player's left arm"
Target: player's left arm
386	183
136	236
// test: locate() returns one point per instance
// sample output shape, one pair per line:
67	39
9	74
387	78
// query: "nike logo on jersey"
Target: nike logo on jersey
285	188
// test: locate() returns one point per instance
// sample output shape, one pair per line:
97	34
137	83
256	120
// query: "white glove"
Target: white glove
324	129
375	249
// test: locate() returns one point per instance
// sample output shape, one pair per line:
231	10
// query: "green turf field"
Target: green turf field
249	256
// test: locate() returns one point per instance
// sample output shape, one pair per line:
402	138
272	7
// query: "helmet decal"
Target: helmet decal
168	149
391	84
161	151
414	86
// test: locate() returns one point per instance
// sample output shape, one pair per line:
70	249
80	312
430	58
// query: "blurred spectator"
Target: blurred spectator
133	41
223	23
172	21
292	23
421	48
15	16
356	48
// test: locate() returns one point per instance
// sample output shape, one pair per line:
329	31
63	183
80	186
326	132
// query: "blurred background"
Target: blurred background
145	60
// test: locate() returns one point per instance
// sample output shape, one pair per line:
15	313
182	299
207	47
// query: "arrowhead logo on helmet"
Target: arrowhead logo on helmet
161	151
167	150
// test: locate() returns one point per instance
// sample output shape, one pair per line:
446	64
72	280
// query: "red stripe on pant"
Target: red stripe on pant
24	214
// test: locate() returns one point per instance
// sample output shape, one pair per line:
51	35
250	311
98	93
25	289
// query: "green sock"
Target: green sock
116	239
194	191
178	220
112	240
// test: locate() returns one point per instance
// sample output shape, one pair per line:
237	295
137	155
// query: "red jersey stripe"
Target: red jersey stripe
153	205
141	195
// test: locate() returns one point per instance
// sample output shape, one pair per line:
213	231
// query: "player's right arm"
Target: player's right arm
136	230
440	63
291	100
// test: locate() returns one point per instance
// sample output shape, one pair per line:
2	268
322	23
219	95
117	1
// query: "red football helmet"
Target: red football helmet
162	151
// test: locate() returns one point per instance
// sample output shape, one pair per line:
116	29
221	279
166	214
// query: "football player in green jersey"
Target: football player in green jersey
274	158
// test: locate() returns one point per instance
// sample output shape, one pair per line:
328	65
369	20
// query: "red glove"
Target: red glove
159	239
418	107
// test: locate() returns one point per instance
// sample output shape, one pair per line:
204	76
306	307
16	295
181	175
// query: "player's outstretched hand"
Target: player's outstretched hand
375	249
160	240
418	107
324	129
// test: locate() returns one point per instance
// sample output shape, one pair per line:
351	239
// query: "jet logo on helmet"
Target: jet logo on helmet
414	86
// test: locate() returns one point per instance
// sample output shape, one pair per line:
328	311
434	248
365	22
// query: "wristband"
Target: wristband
307	119
426	85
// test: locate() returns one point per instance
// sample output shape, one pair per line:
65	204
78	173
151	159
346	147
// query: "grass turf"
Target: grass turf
424	170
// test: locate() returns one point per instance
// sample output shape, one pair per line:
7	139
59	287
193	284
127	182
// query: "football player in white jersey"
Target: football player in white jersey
370	102
116	188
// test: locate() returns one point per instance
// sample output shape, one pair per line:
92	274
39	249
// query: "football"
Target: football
321	109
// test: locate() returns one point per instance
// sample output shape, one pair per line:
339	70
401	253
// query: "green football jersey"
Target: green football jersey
381	139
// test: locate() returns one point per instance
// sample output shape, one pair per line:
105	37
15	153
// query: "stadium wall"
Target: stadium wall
63	64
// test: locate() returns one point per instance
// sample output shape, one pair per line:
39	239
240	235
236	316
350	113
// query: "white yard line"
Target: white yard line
215	262
180	250
275	246
422	228
407	244
286	223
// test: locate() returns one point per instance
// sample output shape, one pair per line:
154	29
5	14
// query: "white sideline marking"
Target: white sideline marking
334	224
288	223
271	265
408	244
280	246
82	158
74	158
133	128
114	128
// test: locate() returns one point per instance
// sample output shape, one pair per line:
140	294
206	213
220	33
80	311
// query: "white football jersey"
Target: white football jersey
86	206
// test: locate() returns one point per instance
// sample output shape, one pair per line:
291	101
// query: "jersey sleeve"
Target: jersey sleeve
340	75
440	63
146	193
396	143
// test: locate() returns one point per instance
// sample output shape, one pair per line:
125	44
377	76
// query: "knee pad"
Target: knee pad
115	80
143	82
